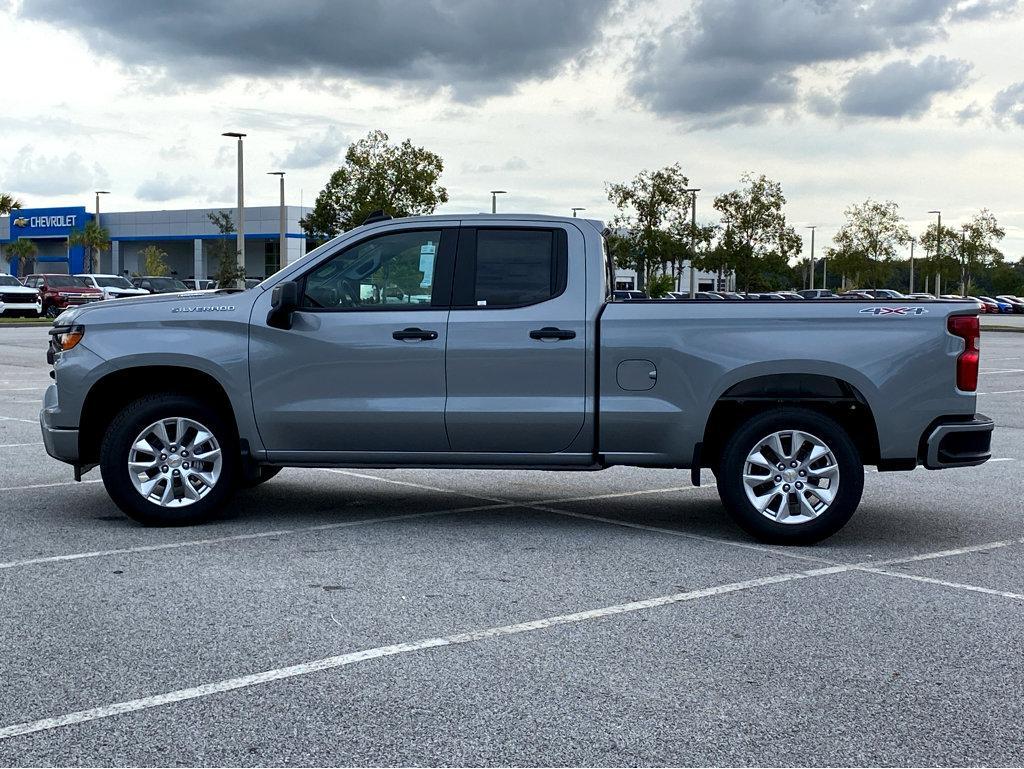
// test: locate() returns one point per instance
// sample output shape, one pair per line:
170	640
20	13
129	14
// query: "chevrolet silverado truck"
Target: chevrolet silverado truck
494	341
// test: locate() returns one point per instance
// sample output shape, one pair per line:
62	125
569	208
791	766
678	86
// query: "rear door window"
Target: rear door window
505	267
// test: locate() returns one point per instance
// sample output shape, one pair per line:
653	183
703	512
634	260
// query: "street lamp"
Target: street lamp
577	208
494	199
96	251
938	255
240	217
282	259
812	228
912	241
693	238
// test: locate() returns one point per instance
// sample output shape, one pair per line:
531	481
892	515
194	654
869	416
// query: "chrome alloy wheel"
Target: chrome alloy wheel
174	462
791	476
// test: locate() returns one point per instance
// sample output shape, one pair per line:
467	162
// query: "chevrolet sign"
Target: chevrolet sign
56	220
21	221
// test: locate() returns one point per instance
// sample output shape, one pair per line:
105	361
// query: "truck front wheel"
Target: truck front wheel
791	476
169	460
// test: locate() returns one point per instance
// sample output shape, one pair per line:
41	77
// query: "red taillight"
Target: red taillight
967	328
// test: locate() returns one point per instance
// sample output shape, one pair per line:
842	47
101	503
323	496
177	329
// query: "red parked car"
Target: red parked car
62	291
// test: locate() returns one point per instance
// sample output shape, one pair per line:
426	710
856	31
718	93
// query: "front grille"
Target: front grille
12	298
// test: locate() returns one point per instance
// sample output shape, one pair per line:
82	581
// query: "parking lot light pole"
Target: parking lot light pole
575	209
240	216
911	265
282	258
494	199
812	228
938	255
96	252
693	238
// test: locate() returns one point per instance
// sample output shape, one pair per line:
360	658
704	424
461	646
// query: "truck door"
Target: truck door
516	340
362	368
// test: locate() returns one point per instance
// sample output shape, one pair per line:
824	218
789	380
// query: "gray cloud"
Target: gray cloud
51	175
979	10
161	188
477	47
313	151
902	88
1008	106
511	165
734	59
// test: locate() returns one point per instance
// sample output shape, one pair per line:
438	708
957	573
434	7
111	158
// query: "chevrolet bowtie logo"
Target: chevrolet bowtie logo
21	221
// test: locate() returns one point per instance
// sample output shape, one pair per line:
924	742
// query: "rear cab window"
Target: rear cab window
505	267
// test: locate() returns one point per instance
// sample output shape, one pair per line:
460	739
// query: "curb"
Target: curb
25	325
1004	329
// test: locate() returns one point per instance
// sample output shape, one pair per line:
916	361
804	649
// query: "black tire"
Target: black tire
266	473
731	487
117	442
51	311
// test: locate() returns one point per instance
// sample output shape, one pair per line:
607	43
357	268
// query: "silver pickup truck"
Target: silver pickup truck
490	341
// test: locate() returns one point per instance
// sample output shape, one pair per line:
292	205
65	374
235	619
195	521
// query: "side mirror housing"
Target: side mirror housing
284	301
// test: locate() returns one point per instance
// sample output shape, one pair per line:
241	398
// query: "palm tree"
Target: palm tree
95	239
22	255
8	203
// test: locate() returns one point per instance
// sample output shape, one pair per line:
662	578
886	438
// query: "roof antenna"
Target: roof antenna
376	216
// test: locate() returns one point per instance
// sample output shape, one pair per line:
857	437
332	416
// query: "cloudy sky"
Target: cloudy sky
918	101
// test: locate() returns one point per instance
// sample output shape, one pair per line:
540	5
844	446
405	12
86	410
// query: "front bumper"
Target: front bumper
60	442
959	444
35	307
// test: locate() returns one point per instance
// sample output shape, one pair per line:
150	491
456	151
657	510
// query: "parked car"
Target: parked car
789	294
730	295
59	292
921	297
112	286
200	284
501	370
1001	306
156	284
625	296
1015	302
855	295
817	293
881	293
678	295
17	300
988	305
767	296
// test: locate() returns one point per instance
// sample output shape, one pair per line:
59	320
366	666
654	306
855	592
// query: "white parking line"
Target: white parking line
17	419
19	445
48	485
993	372
343	660
1002	392
944	583
241	537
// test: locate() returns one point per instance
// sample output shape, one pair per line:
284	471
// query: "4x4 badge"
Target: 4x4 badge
894	311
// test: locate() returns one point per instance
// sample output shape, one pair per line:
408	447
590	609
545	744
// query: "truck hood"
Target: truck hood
129	308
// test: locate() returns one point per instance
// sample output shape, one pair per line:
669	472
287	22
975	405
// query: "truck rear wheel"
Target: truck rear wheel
791	476
169	460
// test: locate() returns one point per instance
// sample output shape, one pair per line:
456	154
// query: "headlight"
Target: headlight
67	337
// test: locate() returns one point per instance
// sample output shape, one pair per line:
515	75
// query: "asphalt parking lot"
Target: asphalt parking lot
467	618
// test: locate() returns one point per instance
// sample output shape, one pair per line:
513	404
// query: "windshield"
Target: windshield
113	281
66	281
167	284
7	280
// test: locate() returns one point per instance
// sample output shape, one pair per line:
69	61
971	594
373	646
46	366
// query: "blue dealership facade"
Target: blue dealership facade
185	235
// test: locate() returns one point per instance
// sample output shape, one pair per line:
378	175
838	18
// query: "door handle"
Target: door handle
414	333
550	332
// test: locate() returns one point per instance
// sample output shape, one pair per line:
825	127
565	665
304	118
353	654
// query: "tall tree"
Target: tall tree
8	203
947	263
22	255
94	238
651	208
400	179
757	241
868	241
976	249
225	251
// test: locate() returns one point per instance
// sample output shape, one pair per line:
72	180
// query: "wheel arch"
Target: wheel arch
834	396
116	389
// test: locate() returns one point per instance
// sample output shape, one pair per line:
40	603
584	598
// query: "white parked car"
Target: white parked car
112	286
17	299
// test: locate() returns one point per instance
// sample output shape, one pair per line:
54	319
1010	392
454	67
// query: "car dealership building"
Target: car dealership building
186	236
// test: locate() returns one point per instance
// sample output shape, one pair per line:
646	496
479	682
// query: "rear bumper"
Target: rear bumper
959	444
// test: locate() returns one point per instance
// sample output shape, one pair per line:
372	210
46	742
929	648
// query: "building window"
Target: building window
271	257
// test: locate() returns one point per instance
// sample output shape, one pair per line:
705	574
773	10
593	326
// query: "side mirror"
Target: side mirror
284	300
